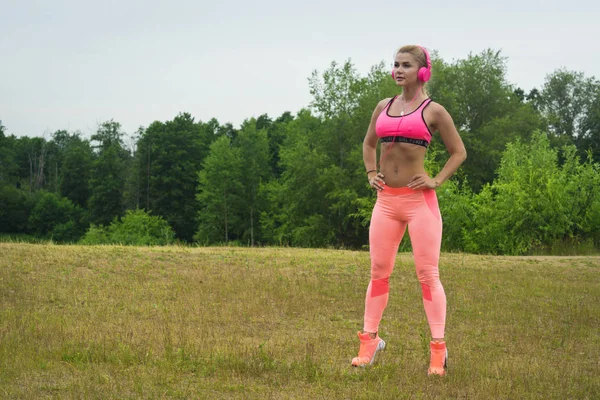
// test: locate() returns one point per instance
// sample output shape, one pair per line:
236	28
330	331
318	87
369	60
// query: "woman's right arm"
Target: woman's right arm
370	149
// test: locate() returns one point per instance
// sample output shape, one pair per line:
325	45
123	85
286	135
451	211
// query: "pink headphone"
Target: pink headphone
424	73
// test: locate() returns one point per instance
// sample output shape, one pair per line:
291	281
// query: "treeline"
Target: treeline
530	181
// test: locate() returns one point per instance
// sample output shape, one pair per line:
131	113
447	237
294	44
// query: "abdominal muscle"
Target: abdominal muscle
401	162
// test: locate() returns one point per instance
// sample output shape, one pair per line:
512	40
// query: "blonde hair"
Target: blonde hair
419	55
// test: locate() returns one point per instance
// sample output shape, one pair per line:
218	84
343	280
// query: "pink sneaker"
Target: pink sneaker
438	363
368	348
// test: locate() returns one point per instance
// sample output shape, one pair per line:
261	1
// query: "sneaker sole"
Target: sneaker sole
380	346
446	361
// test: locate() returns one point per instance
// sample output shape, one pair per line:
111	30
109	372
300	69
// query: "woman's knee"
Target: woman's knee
381	270
429	276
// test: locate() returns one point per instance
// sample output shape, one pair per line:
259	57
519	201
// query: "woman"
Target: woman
406	196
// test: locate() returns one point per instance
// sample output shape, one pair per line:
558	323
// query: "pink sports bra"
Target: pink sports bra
408	128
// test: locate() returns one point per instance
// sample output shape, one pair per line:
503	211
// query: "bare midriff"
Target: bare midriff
401	162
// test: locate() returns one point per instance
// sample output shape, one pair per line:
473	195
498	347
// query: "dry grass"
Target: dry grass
278	323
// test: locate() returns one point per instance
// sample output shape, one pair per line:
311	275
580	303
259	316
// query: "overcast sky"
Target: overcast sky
68	64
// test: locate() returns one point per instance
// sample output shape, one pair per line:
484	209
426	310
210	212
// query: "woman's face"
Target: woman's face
405	69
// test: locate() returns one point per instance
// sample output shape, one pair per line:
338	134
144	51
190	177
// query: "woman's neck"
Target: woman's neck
410	93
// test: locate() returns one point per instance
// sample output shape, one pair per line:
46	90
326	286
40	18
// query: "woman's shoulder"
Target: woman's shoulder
382	103
436	108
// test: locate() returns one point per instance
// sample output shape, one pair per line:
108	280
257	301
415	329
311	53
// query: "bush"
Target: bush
15	209
456	202
96	234
55	218
137	228
535	202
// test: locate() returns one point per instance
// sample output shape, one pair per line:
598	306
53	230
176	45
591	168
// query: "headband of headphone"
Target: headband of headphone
424	73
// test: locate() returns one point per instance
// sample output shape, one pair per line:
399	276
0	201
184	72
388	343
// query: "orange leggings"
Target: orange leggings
395	208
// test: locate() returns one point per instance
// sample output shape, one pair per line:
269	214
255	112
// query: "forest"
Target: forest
530	184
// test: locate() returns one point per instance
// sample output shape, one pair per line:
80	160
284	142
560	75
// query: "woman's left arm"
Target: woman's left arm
453	142
443	123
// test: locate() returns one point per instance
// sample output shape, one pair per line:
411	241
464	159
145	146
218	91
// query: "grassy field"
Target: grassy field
278	323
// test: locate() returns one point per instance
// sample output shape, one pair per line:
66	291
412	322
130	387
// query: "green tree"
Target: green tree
8	168
132	195
15	207
76	170
299	208
169	156
336	96
345	102
30	160
254	153
54	159
108	135
565	101
589	133
485	148
276	135
220	193
108	174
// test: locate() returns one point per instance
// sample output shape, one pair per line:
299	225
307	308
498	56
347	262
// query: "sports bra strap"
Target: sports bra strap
389	103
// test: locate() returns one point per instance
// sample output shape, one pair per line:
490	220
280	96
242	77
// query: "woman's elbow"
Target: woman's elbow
459	154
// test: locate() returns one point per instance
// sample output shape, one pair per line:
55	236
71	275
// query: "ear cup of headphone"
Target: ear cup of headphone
393	73
424	74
